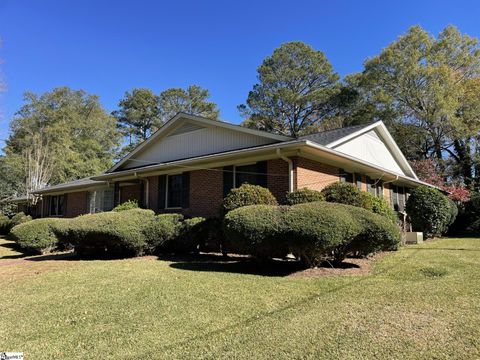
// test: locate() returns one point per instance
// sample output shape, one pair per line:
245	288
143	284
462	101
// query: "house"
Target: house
191	163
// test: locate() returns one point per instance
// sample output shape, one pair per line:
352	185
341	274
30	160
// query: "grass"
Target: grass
422	302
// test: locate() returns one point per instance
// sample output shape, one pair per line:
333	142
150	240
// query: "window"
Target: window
246	174
57	205
236	175
379	189
346	176
100	200
174	191
371	186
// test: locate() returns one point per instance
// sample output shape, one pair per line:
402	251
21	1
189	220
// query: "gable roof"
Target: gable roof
175	123
329	136
341	136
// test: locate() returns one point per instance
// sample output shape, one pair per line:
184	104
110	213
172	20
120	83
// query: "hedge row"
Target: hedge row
120	233
313	232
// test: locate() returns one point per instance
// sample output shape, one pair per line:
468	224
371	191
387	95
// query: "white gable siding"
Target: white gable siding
204	141
369	147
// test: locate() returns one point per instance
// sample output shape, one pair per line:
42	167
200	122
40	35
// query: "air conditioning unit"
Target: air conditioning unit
414	237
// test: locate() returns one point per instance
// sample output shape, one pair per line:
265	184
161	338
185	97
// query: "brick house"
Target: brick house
191	163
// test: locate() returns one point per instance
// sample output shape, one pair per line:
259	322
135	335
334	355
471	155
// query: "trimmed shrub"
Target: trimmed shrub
376	235
320	231
20	218
127	205
382	207
429	210
162	231
37	235
257	230
303	196
109	233
452	211
345	193
5	224
210	236
313	232
247	195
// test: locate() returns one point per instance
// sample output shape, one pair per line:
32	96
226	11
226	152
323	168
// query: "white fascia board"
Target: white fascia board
196	119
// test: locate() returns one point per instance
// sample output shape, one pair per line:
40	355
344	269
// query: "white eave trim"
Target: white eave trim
288	145
196	119
389	140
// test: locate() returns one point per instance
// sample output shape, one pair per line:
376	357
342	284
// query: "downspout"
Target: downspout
290	168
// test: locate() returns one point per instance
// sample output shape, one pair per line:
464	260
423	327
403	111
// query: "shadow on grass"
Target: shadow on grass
14	247
241	265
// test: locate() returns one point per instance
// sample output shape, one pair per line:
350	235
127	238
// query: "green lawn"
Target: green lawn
420	302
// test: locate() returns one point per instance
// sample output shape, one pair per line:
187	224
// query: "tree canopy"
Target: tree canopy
138	115
59	136
193	100
296	91
427	90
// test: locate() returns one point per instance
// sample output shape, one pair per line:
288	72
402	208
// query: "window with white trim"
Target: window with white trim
100	200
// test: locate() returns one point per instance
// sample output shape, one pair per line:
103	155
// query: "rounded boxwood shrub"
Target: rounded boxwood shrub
381	207
109	233
127	205
346	193
5	224
429	211
163	230
320	231
257	230
37	235
313	232
302	196
20	218
247	195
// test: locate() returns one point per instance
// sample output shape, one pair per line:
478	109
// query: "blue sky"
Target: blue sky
109	47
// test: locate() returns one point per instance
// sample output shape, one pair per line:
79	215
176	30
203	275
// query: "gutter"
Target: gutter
290	168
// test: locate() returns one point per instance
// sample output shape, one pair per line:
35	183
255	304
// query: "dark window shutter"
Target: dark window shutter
116	194
349	178
395	197
343	176
162	188
358	180
262	174
142	200
186	190
380	188
227	180
65	204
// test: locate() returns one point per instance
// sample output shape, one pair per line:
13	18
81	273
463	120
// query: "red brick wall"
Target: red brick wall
76	203
131	192
206	193
277	180
314	175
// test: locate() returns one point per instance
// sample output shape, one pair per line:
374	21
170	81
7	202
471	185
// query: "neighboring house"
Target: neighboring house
191	163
